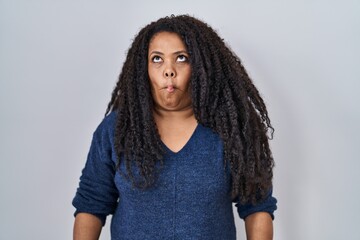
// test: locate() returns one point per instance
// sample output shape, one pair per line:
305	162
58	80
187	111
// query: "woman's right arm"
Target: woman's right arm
86	227
97	194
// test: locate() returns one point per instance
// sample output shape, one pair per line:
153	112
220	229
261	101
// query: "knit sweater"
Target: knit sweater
189	200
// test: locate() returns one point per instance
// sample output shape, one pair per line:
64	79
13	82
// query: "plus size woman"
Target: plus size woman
184	136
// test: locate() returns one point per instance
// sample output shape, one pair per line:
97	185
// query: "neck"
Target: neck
174	116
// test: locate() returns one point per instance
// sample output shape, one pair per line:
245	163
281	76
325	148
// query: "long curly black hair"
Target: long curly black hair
224	99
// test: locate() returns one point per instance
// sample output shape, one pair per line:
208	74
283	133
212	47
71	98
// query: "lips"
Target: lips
170	88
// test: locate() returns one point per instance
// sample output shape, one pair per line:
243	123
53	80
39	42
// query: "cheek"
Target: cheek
187	76
152	77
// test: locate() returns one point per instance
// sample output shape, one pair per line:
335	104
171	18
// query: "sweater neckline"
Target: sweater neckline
186	144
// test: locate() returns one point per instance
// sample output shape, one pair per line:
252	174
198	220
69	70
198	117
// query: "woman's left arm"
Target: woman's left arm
259	226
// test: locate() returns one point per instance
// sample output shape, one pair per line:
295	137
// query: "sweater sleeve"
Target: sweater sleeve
267	205
97	193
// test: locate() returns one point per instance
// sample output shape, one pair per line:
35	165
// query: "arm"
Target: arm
97	195
259	226
258	218
86	227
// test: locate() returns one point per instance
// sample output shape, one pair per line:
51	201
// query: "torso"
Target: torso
191	198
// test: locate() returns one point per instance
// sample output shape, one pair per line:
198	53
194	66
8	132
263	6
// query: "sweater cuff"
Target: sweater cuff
102	217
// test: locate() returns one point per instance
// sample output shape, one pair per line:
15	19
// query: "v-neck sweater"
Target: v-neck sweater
189	200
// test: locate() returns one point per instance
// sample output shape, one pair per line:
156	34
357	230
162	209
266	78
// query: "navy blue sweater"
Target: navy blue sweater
190	200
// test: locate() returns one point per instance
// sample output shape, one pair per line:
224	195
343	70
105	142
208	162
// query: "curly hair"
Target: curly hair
224	99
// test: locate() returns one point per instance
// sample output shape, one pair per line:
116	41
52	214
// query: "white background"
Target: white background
59	61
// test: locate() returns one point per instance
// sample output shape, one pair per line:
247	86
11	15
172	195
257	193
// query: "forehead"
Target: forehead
166	40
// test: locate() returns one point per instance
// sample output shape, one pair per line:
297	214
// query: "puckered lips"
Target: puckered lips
170	88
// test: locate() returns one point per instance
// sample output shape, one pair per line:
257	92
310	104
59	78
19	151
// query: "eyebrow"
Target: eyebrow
175	53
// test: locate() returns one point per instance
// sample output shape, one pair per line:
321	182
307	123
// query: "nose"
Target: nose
169	72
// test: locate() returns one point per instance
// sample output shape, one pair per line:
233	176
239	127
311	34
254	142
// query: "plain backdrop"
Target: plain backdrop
59	61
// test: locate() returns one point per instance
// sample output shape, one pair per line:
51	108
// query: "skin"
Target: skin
86	227
259	226
169	73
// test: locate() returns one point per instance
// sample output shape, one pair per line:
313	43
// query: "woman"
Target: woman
184	136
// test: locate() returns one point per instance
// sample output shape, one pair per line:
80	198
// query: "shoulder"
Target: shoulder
209	135
107	123
106	129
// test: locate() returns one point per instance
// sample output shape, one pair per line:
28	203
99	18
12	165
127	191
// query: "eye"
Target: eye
156	59
182	58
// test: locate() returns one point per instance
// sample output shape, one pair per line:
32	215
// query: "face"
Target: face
169	72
